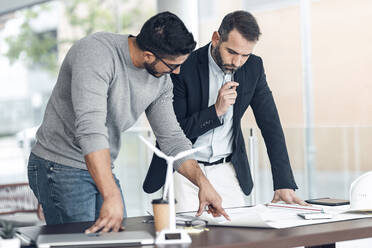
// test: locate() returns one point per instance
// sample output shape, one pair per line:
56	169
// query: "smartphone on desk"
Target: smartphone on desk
315	216
326	201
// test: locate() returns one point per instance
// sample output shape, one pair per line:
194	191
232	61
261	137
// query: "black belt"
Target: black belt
222	160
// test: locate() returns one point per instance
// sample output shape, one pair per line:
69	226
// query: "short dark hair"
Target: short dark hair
244	22
165	35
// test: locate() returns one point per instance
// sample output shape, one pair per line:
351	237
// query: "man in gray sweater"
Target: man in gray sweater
105	82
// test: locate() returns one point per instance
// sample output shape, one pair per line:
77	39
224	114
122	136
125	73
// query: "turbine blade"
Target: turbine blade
153	148
189	152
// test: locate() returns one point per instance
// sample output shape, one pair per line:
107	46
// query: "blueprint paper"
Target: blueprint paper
267	217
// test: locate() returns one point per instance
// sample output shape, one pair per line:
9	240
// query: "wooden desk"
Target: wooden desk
321	235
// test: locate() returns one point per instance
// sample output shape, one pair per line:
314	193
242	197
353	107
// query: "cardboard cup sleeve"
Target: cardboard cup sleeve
161	214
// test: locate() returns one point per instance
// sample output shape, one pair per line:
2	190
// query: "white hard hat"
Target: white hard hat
361	193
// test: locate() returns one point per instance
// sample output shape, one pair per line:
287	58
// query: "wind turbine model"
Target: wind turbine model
171	235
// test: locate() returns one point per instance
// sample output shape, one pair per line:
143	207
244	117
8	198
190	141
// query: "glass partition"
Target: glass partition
34	41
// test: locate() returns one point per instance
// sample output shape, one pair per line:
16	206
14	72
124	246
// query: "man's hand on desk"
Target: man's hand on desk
288	196
110	216
112	210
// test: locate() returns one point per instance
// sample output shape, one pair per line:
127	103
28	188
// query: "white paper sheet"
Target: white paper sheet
268	217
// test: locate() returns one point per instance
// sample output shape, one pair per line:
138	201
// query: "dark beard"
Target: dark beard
150	68
226	68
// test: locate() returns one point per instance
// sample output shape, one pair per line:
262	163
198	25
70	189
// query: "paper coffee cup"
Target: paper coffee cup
161	214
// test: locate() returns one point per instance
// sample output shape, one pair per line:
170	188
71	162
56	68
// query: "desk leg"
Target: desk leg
323	246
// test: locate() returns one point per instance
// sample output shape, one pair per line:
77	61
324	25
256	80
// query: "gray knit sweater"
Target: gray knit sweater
98	95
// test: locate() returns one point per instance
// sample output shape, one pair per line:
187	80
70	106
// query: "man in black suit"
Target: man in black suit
216	85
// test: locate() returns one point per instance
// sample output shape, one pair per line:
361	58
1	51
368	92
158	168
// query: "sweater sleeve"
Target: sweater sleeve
168	132
92	68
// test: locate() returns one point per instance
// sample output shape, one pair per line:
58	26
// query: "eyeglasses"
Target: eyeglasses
171	67
190	221
192	225
183	220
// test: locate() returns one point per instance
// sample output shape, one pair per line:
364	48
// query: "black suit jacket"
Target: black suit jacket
191	93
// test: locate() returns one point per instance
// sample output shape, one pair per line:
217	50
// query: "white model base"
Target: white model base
176	236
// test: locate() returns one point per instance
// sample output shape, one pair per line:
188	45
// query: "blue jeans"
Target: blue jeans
67	194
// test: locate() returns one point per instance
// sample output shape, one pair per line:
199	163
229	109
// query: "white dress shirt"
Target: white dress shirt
220	138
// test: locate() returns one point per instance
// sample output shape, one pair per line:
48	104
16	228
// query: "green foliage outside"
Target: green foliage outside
88	16
33	48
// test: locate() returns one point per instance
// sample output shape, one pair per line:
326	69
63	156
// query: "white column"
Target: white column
310	152
186	10
253	165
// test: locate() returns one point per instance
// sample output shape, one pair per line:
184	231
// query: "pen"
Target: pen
295	207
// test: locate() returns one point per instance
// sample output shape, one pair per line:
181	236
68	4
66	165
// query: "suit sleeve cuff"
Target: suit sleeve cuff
285	185
210	120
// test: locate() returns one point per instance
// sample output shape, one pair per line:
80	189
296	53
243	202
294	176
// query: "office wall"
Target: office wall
341	62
